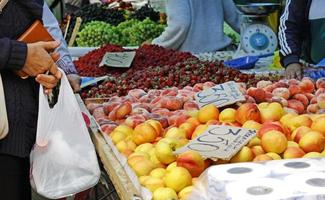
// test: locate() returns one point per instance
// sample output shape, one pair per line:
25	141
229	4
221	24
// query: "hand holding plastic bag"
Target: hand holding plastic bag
63	160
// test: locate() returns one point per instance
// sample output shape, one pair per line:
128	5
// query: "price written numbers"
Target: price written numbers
221	142
220	95
118	59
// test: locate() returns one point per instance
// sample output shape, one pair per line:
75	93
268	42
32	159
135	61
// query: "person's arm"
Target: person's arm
65	61
51	24
12	54
178	24
292	32
232	16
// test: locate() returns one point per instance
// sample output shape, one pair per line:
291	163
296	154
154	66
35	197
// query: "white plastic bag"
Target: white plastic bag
63	160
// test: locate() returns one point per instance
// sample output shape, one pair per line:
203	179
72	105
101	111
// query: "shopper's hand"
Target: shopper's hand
294	71
49	81
39	60
75	82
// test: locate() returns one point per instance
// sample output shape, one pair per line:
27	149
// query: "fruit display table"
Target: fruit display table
146	118
122	183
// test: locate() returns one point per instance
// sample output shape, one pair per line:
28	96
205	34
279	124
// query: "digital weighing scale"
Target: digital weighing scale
257	37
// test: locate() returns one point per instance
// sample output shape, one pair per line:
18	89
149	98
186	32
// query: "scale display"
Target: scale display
259	39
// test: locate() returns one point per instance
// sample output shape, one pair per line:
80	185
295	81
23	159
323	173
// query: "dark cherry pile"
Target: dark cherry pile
146	56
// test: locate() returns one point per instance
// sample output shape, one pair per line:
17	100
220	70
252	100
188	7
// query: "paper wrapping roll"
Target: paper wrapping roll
294	166
239	171
309	186
259	189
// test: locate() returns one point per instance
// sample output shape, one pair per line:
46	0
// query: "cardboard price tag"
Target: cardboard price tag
220	95
221	142
118	59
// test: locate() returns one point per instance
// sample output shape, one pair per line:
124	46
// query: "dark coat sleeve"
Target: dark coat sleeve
12	54
293	31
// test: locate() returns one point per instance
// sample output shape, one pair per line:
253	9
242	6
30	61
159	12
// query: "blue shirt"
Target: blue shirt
51	24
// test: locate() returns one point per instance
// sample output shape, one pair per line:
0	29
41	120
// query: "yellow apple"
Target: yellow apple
244	155
143	167
312	142
207	113
185	193
292	144
274	156
313	155
257	150
158	173
199	130
164	193
251	124
164	151
274	141
124	129
178	178
153	183
298	121
175	133
286	119
171	166
146	147
255	141
117	136
228	115
293	152
271	112
143	179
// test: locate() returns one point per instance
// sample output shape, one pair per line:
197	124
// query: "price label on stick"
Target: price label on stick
221	142
220	95
118	59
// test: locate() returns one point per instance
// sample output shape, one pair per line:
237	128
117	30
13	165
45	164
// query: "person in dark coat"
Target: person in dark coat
21	95
302	34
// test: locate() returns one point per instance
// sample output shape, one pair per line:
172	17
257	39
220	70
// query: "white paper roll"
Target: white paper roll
259	189
310	184
293	166
240	171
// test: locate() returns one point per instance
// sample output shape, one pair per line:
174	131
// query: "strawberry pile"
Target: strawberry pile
146	56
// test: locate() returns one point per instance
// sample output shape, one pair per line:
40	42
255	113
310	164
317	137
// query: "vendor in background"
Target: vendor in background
197	26
302	34
21	95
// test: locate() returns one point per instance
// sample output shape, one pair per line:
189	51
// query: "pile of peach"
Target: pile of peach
303	96
171	107
149	146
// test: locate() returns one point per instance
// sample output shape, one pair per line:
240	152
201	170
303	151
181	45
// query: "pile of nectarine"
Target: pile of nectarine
303	96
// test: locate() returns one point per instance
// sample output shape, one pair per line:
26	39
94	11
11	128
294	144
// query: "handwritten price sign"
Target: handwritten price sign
119	59
221	142
220	95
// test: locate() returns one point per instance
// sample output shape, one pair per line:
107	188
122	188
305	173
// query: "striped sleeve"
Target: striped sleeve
292	30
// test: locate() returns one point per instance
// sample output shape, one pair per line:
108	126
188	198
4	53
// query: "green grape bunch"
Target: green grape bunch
129	33
97	33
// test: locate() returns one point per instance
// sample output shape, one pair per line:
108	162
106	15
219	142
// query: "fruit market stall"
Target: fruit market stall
168	100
